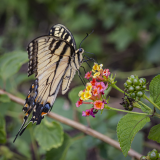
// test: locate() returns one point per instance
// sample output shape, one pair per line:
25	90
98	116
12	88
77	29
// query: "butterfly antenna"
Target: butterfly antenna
85	38
94	55
87	63
80	76
90	59
84	70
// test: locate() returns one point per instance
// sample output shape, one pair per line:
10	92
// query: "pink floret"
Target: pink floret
80	102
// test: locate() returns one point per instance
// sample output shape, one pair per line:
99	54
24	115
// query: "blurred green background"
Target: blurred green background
126	40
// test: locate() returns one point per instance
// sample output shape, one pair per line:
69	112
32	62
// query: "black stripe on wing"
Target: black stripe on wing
38	47
57	65
63	32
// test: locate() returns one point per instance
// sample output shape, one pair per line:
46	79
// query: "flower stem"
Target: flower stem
157	115
115	86
155	105
148	108
116	109
135	104
144	105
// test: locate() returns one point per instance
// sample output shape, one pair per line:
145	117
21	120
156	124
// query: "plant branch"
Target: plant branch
155	105
117	88
120	110
145	106
79	126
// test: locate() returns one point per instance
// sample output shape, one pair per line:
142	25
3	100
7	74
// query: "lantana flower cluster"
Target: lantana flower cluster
94	90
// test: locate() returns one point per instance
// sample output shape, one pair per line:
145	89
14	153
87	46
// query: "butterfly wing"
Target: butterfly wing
73	67
53	61
61	31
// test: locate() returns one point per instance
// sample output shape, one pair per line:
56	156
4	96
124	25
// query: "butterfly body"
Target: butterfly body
54	60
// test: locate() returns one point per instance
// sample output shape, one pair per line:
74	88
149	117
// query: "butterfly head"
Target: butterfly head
80	51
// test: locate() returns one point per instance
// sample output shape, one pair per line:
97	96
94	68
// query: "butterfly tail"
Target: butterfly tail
29	105
24	121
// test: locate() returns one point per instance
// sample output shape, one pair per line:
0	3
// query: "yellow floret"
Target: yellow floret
87	94
96	74
97	67
89	87
100	66
81	95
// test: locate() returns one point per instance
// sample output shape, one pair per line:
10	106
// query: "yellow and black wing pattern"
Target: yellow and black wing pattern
53	59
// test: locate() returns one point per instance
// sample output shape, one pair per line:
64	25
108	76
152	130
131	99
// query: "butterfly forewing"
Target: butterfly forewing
61	31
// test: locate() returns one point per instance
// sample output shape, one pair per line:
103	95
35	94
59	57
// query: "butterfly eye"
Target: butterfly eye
80	49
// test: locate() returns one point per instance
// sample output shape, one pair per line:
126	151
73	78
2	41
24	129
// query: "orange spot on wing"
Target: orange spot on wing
43	113
49	101
29	96
32	85
26	105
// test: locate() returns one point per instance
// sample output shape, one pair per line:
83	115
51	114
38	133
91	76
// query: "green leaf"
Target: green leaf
2	130
59	153
63	108
22	147
5	106
154	89
4	98
127	128
153	55
116	37
82	17
154	133
10	63
77	151
145	109
73	94
49	135
8	154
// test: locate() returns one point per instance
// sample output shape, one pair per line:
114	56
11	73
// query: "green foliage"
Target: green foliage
10	63
22	147
127	128
116	37
49	135
6	152
60	152
144	109
153	53
154	89
2	130
73	94
77	150
4	98
63	108
154	133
